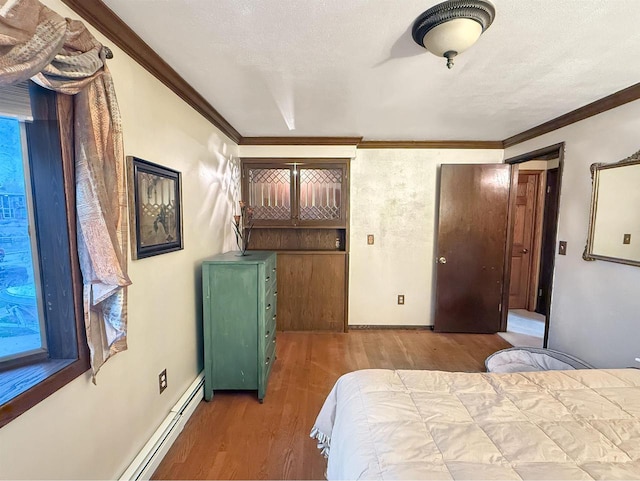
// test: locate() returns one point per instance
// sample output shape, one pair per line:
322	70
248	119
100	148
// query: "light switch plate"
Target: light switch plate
626	239
401	299
370	239
562	248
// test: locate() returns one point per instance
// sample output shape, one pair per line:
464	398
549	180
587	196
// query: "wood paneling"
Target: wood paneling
594	108
110	25
312	292
430	144
235	437
297	239
300	140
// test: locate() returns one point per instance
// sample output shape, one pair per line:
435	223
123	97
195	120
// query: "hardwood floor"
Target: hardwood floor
235	437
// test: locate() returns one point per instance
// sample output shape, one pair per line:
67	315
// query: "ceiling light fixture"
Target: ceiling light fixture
451	27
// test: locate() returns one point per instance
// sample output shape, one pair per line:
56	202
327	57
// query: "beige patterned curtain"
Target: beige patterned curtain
61	55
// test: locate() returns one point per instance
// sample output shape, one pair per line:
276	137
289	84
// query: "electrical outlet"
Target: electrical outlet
162	380
562	248
370	239
401	299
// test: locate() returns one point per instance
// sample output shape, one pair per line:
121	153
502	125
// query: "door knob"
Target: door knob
442	260
525	250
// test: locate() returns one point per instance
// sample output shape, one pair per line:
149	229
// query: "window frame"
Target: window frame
51	163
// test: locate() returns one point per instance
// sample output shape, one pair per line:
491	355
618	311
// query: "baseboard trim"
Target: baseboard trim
150	456
365	327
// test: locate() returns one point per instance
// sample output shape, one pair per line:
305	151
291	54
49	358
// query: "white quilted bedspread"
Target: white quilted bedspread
582	424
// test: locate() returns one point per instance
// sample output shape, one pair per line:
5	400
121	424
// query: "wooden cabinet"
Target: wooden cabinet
298	192
301	209
239	316
313	291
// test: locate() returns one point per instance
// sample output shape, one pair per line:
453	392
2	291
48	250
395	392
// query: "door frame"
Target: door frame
555	151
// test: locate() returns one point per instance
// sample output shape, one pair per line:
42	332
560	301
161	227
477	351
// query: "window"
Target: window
22	332
38	259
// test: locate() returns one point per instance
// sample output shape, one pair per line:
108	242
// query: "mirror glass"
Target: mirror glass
614	231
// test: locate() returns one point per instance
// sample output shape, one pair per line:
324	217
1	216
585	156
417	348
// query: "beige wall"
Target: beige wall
87	431
539	164
596	307
393	196
299	151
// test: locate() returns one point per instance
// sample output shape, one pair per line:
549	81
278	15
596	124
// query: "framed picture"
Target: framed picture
155	208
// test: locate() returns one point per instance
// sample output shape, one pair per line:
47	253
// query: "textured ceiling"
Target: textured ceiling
351	68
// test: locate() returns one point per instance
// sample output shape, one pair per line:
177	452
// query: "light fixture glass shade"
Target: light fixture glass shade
453	26
456	35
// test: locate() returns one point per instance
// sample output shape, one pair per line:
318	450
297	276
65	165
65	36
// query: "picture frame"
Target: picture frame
155	208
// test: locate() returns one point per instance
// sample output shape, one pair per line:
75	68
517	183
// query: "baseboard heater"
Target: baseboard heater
149	458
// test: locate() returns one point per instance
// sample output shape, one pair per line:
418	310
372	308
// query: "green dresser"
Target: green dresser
239	315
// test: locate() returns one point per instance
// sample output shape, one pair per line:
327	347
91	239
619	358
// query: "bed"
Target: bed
579	424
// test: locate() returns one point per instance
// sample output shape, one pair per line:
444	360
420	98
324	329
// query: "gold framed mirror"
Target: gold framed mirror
614	226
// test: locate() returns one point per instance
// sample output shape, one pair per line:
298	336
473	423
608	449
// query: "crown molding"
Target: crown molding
110	25
430	144
300	140
609	102
374	144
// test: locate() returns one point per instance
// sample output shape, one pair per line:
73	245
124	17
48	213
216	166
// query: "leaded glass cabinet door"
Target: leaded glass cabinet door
268	191
321	198
296	193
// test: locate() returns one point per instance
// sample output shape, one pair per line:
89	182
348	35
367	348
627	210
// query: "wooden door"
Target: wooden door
470	254
522	268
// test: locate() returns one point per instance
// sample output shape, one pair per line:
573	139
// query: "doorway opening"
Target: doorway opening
530	256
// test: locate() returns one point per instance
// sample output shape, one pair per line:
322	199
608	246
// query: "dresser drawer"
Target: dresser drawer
270	310
270	267
269	341
270	356
270	281
270	324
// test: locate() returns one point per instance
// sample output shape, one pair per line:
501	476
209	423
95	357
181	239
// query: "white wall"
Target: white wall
94	432
393	196
596	305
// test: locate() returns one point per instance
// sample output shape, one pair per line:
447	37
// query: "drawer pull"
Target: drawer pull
274	340
268	361
275	293
267	334
274	317
268	307
274	269
267	279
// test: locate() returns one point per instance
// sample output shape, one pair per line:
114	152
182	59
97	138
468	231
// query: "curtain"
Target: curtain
60	54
